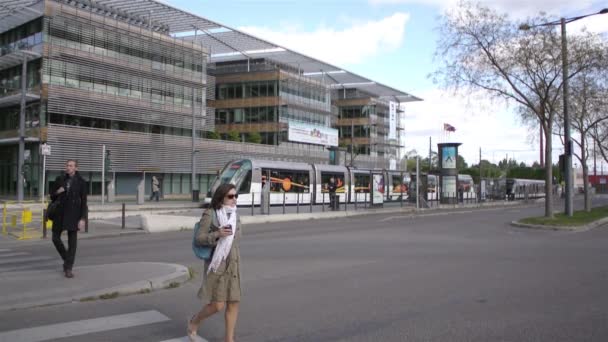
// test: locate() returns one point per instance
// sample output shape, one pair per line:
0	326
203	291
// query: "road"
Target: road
442	276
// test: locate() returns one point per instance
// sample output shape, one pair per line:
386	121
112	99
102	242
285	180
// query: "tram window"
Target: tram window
245	187
239	174
338	179
288	180
361	183
432	183
398	185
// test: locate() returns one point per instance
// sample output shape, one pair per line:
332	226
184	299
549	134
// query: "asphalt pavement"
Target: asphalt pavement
458	275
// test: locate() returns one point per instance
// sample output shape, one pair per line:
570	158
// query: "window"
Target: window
237	173
362	182
338	180
287	180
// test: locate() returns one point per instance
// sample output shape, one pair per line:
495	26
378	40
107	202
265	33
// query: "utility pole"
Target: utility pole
103	174
352	135
542	157
417	182
20	175
594	161
568	141
480	176
431	155
193	157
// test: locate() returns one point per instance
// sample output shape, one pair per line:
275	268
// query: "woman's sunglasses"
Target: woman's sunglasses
232	196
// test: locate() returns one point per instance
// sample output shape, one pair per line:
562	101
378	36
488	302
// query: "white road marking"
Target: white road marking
13	254
83	327
27	259
185	339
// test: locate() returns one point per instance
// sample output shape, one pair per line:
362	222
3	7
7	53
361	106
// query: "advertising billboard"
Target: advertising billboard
448	157
392	120
378	189
311	134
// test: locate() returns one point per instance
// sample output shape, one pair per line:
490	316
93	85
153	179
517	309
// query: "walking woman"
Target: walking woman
221	288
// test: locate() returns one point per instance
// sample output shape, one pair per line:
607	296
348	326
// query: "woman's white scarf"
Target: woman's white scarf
225	244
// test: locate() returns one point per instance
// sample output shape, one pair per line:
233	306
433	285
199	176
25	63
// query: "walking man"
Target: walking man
155	189
71	192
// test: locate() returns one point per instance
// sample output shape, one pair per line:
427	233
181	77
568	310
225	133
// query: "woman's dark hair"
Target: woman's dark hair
218	197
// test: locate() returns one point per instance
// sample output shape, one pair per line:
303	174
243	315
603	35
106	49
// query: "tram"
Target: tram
303	183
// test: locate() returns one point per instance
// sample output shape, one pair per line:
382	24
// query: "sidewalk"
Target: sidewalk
26	289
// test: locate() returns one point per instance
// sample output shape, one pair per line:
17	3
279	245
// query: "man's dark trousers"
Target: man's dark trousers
69	255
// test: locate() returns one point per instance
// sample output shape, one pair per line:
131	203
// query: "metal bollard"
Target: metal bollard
44	220
123	216
86	223
252	203
283	203
310	202
298	203
356	200
323	203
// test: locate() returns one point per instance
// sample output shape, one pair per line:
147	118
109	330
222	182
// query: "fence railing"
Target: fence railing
296	203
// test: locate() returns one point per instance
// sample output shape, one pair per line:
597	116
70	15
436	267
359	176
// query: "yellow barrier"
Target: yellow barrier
22	220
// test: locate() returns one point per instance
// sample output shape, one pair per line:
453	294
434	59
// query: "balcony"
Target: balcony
12	97
14	54
12	136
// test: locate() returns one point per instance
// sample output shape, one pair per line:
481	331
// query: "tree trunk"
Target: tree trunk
585	173
548	171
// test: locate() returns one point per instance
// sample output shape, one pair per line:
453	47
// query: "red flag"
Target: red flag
449	128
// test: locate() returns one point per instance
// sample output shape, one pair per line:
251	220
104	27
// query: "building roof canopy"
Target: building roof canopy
224	43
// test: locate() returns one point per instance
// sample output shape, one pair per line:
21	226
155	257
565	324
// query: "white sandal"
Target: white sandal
192	335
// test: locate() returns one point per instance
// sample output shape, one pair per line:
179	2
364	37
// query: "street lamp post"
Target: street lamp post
569	211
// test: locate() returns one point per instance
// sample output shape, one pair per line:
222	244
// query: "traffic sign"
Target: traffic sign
45	149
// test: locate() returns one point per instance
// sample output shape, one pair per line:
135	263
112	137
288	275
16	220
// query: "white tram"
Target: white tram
291	182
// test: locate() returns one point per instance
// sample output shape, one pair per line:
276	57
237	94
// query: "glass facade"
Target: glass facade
245	90
22	37
10	79
246	115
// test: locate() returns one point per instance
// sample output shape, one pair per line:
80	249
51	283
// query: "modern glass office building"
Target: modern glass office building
164	90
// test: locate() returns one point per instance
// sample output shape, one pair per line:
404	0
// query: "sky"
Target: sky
393	42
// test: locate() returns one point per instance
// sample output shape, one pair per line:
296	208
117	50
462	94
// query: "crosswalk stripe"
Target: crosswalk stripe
27	259
5	250
38	265
185	339
83	327
13	254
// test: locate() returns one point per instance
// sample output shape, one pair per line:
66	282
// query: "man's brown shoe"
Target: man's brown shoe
69	274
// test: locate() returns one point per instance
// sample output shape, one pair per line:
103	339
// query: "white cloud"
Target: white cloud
479	123
598	23
524	8
349	46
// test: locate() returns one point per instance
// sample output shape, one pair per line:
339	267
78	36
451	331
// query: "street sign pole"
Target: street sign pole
46	151
103	174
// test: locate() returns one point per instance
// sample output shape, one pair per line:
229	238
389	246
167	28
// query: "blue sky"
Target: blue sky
392	42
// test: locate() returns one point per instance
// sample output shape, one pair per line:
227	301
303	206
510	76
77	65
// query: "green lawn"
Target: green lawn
579	218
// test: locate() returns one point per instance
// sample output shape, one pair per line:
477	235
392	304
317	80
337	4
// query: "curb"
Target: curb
340	214
591	225
109	235
179	276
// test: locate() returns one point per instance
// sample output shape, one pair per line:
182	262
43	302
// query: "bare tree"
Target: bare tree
480	49
588	108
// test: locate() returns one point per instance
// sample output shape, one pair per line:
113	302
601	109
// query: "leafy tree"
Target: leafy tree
254	137
213	135
233	136
481	49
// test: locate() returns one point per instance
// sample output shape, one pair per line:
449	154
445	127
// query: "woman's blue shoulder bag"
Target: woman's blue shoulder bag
201	252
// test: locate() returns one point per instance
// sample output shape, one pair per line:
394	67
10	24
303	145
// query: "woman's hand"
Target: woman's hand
60	190
225	231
